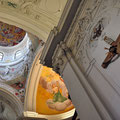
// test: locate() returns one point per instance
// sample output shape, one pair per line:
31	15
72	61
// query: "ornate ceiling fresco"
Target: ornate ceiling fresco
37	16
10	35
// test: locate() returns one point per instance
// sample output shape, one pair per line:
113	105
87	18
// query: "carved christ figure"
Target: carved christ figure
114	51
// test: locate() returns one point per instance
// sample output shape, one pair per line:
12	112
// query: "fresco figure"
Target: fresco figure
60	100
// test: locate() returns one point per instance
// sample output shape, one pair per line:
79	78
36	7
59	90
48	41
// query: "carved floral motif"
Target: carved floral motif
60	57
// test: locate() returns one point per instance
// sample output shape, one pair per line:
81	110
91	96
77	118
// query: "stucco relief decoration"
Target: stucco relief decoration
80	35
12	4
34	8
59	62
20	5
60	57
83	25
81	31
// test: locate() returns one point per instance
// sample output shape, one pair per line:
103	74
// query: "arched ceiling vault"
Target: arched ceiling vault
36	16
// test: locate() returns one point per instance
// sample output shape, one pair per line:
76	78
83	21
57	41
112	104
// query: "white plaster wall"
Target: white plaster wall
82	102
106	92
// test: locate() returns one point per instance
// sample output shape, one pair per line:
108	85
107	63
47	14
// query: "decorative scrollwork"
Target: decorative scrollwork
59	60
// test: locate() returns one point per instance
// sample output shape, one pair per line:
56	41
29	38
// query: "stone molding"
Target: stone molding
56	30
49	117
52	34
32	82
61	57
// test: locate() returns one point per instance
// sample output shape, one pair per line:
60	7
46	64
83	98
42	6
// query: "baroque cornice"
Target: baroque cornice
61	57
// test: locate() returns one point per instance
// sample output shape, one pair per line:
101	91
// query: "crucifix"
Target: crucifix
114	50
